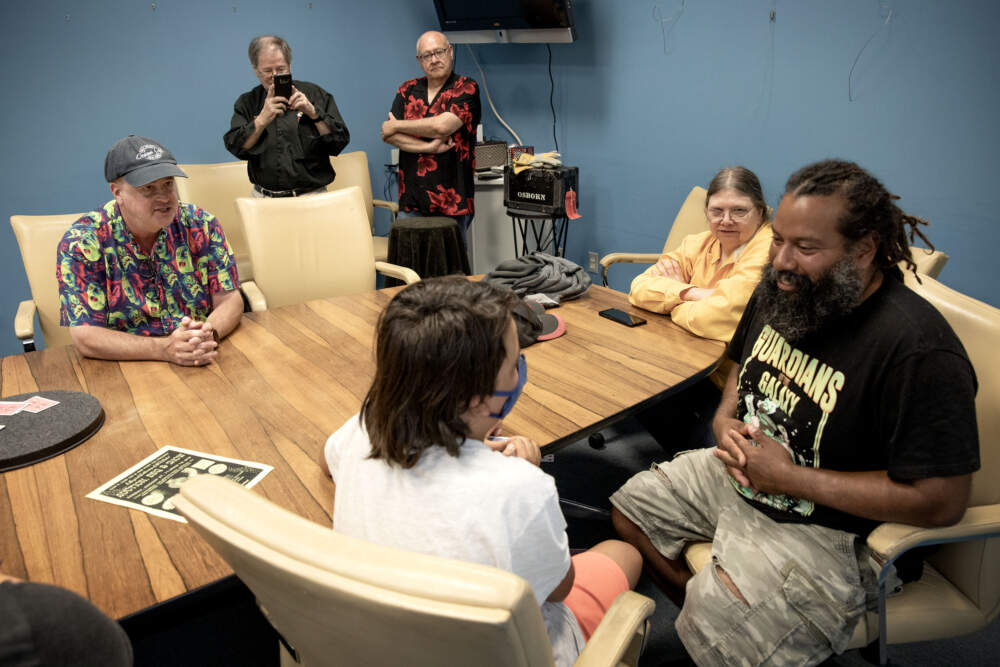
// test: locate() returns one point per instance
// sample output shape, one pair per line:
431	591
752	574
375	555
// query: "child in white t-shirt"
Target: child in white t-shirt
420	468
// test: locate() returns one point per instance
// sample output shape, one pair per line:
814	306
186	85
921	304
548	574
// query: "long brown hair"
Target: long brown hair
439	345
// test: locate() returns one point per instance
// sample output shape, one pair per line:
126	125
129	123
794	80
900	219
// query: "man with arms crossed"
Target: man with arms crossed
433	123
852	404
286	141
145	276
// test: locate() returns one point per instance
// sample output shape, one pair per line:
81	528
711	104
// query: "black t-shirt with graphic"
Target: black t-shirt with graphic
887	387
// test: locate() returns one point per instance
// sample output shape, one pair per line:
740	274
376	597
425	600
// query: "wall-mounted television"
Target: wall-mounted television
492	21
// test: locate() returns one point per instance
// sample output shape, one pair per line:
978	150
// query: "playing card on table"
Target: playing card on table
38	403
11	407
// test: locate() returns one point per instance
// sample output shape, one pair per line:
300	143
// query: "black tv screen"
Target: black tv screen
504	14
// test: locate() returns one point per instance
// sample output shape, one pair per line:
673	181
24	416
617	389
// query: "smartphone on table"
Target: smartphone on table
283	85
621	317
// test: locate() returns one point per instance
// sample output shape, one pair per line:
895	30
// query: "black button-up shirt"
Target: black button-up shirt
291	153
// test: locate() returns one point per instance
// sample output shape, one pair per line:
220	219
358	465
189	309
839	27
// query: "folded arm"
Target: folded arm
435	127
411	144
658	289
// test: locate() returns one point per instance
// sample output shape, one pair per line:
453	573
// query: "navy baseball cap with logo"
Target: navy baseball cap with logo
140	161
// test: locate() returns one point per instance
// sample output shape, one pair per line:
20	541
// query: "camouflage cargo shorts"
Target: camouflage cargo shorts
803	587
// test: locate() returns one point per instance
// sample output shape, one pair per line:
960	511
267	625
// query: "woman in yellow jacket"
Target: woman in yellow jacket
706	282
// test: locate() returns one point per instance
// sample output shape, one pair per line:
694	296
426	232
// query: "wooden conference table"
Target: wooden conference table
283	381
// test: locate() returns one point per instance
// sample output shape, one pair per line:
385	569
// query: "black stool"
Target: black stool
430	246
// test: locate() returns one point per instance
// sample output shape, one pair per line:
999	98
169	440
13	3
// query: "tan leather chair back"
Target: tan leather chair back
341	601
38	236
311	247
215	188
974	567
352	169
690	219
929	262
978	327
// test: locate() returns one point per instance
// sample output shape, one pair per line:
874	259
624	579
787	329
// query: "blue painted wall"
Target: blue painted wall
644	125
644	117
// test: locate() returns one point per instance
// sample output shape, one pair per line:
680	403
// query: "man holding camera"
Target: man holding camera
286	130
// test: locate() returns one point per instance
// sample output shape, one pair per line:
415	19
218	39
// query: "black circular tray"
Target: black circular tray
32	437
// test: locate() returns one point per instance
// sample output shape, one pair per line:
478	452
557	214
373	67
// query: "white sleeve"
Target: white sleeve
540	546
336	442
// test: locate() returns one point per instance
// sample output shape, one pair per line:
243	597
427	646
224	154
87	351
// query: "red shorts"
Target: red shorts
597	582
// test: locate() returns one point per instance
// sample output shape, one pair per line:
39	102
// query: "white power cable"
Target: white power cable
482	76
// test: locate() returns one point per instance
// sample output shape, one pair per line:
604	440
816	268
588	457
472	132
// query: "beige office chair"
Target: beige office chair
38	237
929	262
352	169
690	219
312	247
959	592
337	600
215	188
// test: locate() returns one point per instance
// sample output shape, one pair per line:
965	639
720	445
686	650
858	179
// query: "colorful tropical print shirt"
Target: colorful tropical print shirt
105	280
442	183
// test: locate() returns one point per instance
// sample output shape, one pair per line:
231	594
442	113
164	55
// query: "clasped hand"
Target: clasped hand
751	457
191	343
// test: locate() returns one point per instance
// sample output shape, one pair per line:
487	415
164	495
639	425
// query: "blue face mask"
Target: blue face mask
515	393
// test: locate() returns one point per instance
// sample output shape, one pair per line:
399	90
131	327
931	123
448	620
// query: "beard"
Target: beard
813	304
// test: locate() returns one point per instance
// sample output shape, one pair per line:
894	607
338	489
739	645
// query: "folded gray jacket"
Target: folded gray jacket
540	272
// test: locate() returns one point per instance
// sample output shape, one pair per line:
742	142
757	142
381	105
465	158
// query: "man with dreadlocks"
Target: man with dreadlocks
851	404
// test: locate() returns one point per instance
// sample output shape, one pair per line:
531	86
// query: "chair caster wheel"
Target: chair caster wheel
596	440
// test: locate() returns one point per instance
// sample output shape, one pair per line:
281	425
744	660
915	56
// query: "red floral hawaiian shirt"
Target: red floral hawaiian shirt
439	184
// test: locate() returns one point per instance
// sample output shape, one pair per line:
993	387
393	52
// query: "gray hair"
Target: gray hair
742	180
258	44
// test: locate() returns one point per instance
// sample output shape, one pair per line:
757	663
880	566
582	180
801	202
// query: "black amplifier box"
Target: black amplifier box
540	191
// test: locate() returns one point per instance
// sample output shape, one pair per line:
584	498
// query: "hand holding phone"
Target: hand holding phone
283	85
621	317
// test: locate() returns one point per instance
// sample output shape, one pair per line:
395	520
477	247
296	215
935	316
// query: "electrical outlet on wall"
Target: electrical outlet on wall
592	261
394	156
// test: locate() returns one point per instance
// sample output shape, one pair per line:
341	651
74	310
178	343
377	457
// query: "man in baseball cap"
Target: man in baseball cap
145	276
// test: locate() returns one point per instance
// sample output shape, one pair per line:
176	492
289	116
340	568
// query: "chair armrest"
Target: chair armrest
24	320
390	206
407	275
892	539
393	207
621	635
254	296
632	257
